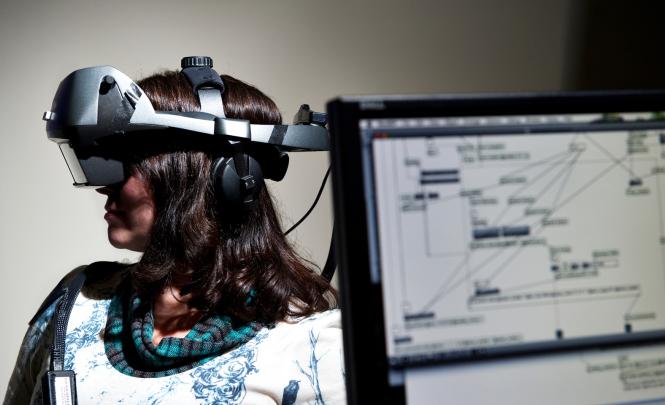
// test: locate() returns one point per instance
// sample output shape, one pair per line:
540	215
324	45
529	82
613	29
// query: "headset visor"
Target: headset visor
91	170
73	164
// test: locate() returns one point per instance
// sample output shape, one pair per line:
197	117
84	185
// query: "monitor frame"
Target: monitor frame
366	364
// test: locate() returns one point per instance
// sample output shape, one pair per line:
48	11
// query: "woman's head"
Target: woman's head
222	257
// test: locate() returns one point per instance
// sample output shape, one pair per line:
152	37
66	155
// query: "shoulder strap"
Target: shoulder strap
55	294
65	294
94	272
58	384
64	308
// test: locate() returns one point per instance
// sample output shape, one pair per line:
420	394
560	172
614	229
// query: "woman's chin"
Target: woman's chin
123	240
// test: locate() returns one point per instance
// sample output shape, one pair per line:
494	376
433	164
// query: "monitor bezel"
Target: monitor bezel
366	365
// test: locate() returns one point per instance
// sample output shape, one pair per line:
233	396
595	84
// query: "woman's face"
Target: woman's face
130	214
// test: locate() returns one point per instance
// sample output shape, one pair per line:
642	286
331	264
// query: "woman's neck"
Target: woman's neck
172	316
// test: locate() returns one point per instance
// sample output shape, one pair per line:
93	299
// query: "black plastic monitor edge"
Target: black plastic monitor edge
365	360
502	103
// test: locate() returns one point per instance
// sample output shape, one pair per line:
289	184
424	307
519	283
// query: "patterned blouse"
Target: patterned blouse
293	362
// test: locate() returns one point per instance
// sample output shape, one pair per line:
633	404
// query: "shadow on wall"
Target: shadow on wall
618	44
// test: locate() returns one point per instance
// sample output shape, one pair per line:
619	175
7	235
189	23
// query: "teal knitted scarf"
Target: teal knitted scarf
129	348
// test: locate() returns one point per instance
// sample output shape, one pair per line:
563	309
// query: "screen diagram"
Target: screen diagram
493	241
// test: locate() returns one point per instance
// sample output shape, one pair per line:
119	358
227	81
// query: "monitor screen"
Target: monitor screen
510	243
516	233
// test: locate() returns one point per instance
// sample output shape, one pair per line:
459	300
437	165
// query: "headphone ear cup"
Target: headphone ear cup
236	183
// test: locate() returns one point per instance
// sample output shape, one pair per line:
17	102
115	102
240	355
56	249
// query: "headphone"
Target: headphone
237	179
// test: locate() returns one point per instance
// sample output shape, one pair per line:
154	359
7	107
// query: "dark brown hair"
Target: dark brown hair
233	263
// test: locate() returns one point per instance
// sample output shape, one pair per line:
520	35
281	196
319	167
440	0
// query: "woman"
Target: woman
220	309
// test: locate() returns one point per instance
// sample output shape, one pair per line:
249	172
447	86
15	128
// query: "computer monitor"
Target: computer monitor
505	248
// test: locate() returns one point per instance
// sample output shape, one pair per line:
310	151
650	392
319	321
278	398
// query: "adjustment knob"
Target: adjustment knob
195	61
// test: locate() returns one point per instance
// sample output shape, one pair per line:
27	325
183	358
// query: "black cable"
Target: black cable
316	200
331	262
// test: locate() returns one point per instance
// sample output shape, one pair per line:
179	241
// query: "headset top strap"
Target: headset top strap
206	82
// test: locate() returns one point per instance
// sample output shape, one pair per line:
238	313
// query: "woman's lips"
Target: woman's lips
112	215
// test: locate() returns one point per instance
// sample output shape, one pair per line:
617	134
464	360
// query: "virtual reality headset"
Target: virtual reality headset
99	115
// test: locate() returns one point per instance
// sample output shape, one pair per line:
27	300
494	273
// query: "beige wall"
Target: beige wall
295	50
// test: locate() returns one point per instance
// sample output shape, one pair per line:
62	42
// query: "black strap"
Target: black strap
59	385
53	296
203	76
208	85
62	312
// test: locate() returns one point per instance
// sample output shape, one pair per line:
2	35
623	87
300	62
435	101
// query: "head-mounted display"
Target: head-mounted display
96	109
